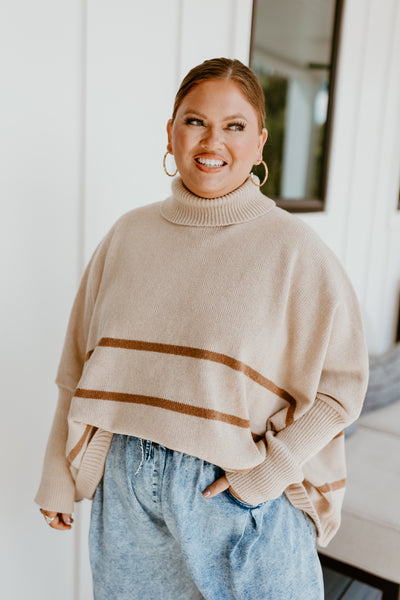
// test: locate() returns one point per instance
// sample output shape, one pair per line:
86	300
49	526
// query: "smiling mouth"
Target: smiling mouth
211	163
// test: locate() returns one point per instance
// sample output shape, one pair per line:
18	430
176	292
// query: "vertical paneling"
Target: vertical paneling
206	31
383	256
331	224
83	576
134	51
131	62
132	57
370	150
220	28
241	29
360	222
40	62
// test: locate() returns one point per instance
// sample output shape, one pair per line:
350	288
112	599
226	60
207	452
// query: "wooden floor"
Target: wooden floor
340	587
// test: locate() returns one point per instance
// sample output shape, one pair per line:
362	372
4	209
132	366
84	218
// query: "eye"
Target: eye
194	121
236	126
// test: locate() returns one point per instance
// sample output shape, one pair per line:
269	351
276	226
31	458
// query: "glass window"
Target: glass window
293	52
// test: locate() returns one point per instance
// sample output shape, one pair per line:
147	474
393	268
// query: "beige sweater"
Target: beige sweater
221	328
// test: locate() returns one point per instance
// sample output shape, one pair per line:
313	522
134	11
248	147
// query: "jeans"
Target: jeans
153	536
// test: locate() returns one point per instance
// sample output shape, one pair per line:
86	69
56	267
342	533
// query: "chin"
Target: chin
209	191
212	192
215	192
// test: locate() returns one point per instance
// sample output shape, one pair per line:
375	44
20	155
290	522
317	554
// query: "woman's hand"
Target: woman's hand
220	485
61	521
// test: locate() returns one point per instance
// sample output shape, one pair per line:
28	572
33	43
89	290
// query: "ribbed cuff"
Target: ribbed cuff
269	479
57	489
92	467
57	496
287	451
313	430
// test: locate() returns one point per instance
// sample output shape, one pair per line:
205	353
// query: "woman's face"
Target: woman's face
215	138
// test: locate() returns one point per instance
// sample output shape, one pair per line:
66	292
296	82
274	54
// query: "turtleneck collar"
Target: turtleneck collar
240	206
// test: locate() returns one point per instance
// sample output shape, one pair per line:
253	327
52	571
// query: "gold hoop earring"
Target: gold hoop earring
265	177
165	166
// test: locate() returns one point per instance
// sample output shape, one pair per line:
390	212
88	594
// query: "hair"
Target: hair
225	68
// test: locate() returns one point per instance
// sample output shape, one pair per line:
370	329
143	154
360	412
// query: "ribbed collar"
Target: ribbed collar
240	206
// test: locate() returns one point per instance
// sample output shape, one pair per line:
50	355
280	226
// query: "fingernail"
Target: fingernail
206	493
69	520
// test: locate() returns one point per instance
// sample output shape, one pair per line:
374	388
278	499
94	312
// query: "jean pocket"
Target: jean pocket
242	504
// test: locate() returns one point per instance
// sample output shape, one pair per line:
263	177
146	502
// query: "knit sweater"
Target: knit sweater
222	328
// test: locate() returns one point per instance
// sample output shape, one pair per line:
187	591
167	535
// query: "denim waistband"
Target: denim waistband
147	448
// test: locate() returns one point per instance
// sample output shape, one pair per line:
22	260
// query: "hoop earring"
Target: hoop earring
165	166
265	177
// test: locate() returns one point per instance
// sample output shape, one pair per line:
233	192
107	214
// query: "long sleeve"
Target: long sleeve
338	403
57	489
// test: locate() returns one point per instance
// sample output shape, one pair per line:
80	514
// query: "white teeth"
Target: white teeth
209	162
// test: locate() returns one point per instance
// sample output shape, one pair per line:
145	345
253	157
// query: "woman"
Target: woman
214	356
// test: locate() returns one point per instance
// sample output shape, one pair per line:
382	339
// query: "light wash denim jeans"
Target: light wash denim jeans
154	537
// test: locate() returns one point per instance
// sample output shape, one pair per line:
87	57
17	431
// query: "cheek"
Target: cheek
246	150
181	140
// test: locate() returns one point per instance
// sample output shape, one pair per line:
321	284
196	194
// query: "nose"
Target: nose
212	138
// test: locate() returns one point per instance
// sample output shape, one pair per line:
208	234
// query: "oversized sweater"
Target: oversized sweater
222	328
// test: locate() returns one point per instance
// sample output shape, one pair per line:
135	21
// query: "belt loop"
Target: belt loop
142	459
148	449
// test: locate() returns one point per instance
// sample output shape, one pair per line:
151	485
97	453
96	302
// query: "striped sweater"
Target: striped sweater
223	328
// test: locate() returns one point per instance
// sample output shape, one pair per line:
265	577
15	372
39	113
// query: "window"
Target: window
294	45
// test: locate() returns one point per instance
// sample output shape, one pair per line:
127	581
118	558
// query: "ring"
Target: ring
48	519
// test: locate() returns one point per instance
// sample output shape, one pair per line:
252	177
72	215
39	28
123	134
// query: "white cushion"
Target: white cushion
385	419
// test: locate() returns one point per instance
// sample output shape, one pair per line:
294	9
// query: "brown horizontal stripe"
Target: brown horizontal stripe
196	411
339	435
228	361
331	487
76	449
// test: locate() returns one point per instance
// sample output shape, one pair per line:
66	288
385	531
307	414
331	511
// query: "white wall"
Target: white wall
86	90
137	54
361	222
40	165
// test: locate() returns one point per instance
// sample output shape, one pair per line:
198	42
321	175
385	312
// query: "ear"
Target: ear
261	143
169	132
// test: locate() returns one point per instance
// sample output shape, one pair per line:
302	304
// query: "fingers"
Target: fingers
59	524
60	521
220	485
67	519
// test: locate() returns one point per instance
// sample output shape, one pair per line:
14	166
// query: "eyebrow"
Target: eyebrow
200	114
